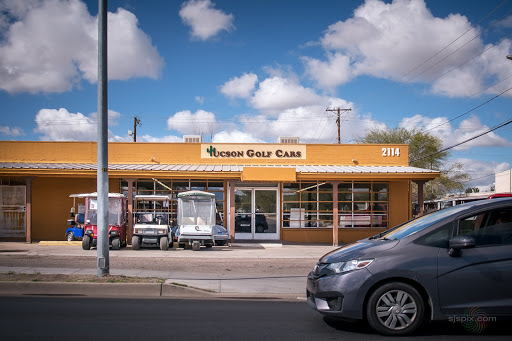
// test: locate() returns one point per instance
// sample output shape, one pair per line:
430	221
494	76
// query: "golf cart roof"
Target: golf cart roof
95	195
152	197
196	194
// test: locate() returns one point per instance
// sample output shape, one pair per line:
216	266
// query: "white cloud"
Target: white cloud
482	173
276	94
52	45
199	99
61	125
241	87
168	138
388	40
11	131
198	123
450	136
235	136
335	71
204	20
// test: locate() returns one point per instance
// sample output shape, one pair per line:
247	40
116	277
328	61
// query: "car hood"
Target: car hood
366	248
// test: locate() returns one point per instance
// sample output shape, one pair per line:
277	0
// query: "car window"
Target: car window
437	238
492	227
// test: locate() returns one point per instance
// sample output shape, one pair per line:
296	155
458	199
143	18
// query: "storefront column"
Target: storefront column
420	195
129	232
28	209
335	215
231	186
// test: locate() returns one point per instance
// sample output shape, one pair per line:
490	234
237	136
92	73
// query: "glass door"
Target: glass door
256	213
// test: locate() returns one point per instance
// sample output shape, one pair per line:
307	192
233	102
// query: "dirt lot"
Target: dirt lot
37	277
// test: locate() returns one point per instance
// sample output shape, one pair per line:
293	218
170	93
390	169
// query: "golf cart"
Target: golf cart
152	217
196	219
75	230
116	220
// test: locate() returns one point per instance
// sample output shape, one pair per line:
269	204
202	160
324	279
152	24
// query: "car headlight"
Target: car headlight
161	231
330	269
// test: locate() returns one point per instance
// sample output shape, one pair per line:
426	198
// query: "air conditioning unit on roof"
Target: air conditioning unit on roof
288	139
192	138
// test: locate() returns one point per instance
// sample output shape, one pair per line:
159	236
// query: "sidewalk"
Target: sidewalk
177	284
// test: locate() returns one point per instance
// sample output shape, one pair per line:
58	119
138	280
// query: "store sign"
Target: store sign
224	151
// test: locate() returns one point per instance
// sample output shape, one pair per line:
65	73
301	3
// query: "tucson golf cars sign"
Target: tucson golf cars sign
219	151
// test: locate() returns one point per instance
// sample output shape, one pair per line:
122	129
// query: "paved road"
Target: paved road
59	318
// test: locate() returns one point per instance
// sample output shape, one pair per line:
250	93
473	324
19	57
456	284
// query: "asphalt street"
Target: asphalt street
59	318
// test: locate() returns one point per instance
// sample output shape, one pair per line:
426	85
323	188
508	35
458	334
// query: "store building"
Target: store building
283	191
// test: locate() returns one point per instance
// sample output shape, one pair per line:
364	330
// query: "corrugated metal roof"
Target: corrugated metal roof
217	168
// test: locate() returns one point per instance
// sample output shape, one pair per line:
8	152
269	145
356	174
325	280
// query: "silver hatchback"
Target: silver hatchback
445	265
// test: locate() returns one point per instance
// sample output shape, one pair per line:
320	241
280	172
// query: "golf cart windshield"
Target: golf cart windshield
196	210
115	211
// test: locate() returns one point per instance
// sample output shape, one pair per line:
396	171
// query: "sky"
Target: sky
254	70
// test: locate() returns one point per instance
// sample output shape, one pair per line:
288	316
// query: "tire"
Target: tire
116	244
135	242
86	242
196	246
395	309
70	237
164	243
260	228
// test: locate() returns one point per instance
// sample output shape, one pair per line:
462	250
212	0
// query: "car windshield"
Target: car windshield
419	224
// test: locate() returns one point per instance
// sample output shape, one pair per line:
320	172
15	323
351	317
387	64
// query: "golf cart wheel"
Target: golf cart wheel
395	309
196	246
86	243
164	243
135	242
70	237
116	244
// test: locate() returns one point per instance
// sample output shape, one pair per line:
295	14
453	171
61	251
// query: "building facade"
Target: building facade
314	193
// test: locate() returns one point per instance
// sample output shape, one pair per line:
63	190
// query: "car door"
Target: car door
479	277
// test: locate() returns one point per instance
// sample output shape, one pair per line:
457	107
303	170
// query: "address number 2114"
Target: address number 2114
390	152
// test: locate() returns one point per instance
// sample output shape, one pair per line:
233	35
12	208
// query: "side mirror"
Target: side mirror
458	243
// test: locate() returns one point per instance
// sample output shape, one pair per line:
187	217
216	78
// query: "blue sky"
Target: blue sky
251	71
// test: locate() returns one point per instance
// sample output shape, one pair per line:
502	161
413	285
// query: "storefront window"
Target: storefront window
363	204
307	204
173	187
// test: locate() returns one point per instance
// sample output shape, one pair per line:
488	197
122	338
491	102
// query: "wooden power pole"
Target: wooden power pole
338	121
136	122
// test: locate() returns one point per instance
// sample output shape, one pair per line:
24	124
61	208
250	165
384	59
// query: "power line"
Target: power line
465	141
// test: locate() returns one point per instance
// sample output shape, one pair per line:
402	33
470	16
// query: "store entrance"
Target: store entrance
256	213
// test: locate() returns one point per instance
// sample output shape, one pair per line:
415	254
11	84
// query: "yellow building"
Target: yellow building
282	191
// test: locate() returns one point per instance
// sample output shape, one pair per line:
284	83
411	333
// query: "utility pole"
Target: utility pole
102	257
338	121
136	122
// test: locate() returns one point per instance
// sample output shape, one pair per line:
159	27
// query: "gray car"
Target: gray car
452	265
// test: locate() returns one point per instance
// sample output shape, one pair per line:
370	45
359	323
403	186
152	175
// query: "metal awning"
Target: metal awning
196	168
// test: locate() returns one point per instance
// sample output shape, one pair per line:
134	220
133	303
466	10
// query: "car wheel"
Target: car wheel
135	242
260	228
116	244
86	243
395	309
70	237
196	246
164	243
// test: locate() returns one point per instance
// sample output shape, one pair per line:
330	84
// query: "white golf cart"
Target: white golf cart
151	217
196	219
